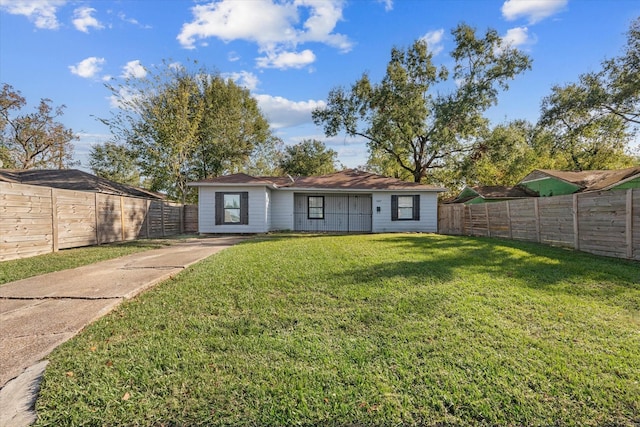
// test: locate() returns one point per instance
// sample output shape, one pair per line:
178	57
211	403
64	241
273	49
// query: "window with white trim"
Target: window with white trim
315	207
405	207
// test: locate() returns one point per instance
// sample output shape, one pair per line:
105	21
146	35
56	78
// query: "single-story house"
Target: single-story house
493	193
74	179
347	201
546	182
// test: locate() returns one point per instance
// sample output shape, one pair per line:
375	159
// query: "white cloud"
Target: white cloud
274	26
388	5
434	41
534	10
83	19
517	36
134	69
132	21
41	12
87	68
245	79
284	60
284	113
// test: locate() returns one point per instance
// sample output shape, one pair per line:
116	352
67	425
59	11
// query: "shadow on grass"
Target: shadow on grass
441	259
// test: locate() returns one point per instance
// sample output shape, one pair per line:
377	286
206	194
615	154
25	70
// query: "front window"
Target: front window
315	206
405	207
232	208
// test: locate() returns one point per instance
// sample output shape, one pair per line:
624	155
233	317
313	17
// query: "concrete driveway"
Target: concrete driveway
42	312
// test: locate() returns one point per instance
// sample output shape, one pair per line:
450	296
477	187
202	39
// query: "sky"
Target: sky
288	53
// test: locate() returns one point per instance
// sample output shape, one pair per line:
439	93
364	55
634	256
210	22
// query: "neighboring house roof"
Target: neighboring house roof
349	179
74	179
591	180
491	193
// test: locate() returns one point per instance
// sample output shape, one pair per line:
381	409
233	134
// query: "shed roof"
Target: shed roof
591	180
492	192
349	179
74	179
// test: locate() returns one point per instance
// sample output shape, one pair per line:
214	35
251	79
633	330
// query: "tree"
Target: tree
309	157
407	119
616	88
185	125
585	138
114	162
596	118
505	154
34	140
265	159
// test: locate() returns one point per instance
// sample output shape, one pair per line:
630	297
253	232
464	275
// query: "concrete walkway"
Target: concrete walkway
40	313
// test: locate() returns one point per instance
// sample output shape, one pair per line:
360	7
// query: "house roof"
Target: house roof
492	192
349	179
592	180
74	179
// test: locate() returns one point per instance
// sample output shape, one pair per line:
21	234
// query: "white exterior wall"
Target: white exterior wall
281	210
381	221
258	210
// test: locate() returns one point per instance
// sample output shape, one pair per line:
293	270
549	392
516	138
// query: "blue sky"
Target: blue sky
289	53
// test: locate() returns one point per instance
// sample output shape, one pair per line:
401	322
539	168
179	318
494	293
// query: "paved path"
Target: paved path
40	313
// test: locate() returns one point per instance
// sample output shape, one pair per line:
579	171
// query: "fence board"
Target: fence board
604	223
29	213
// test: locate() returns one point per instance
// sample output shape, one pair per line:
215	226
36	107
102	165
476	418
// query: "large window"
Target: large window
315	205
405	208
231	203
232	208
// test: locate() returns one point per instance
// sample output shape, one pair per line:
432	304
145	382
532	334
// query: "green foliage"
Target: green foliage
114	162
584	138
394	329
595	119
35	140
407	118
506	154
186	125
307	158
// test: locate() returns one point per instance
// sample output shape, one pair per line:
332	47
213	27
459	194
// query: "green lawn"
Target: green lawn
70	258
364	330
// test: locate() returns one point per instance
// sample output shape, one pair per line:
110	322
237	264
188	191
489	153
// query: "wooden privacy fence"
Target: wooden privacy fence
603	223
36	220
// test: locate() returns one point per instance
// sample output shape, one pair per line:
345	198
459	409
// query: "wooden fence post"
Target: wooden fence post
576	226
629	223
162	218
486	214
509	221
536	212
95	197
54	220
122	220
147	217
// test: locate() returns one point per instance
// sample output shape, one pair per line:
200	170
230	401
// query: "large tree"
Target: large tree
595	119
309	157
184	125
114	162
33	140
410	117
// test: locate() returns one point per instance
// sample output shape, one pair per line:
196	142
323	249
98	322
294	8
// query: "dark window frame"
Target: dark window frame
220	209
415	208
309	207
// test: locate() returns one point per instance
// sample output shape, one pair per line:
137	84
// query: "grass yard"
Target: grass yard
71	258
364	330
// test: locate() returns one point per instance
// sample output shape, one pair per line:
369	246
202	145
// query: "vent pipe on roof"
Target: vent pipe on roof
291	178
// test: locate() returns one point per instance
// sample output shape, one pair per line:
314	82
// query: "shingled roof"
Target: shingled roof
349	179
492	192
592	180
74	179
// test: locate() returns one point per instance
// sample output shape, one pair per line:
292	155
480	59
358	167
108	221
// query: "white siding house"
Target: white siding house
346	201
